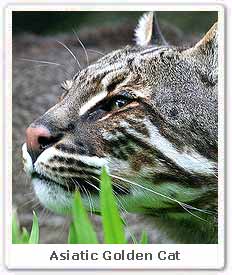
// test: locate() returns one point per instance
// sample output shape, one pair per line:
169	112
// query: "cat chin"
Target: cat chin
52	196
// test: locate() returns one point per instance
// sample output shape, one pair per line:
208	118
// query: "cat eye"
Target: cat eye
110	104
115	103
118	103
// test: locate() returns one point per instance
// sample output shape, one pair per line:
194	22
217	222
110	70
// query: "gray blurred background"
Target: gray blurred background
36	87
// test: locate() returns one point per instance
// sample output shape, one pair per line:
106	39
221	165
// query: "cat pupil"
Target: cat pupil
119	103
115	104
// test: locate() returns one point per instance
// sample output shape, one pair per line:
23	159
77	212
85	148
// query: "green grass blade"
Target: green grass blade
72	235
132	236
25	236
84	231
144	238
15	230
34	236
112	223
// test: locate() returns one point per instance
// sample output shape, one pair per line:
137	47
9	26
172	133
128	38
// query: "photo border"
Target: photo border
85	6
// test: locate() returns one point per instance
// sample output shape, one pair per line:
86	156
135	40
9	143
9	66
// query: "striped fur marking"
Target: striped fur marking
92	102
190	161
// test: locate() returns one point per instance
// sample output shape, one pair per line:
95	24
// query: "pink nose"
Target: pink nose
37	139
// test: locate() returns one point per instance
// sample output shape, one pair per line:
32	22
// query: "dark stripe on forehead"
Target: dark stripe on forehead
152	50
95	72
94	75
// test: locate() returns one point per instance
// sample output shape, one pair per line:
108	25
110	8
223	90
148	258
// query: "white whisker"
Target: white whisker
89	201
46	63
94	51
83	47
72	54
183	205
98	189
41	61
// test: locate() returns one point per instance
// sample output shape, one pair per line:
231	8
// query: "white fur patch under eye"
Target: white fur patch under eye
191	161
92	102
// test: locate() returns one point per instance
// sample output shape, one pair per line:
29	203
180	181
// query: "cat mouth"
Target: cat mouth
77	182
68	187
69	184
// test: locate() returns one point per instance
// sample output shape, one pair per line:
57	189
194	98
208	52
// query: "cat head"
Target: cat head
147	112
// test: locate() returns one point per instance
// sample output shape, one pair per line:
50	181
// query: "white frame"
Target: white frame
195	256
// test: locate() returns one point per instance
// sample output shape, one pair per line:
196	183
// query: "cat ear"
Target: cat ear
206	50
148	31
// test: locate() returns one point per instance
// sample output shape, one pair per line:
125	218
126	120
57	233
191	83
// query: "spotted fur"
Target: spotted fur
148	113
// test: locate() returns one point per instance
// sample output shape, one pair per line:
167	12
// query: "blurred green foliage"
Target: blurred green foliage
22	236
47	22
